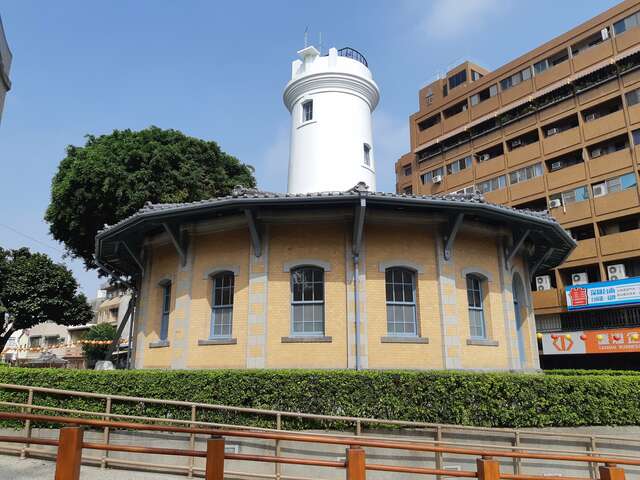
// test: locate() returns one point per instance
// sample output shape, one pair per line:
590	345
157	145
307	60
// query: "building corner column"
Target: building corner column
256	356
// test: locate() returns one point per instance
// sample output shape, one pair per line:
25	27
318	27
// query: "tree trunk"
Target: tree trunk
5	338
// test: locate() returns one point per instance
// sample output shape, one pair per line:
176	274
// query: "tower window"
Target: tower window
367	155
307	111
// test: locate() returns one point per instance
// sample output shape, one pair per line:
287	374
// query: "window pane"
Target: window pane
628	181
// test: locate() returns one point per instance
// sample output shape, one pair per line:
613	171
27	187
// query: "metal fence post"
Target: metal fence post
356	466
106	435
439	456
593	467
611	472
69	455
27	425
516	460
192	441
215	459
488	469
278	466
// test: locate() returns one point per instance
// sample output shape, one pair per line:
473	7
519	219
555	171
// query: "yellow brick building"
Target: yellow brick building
334	280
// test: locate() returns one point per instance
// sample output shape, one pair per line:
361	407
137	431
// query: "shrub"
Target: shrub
481	399
95	347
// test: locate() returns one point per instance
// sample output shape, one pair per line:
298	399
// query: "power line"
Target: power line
32	238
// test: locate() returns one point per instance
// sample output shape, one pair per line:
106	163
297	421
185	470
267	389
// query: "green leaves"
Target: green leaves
34	289
114	175
481	399
93	351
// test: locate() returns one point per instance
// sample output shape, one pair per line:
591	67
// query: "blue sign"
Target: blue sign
603	294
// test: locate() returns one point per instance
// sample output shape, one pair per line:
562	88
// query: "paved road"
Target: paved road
12	468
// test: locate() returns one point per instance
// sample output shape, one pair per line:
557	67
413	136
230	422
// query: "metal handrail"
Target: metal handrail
354	54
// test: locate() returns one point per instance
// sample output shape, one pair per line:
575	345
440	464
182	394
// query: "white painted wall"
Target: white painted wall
327	153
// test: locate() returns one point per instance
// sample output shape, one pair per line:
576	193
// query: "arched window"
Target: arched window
222	305
475	298
401	301
307	301
166	308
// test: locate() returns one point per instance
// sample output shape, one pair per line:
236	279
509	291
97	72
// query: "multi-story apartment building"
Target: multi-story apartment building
558	128
5	67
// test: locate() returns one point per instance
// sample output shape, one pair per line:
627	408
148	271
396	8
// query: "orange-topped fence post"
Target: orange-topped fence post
488	469
69	453
356	464
215	459
611	472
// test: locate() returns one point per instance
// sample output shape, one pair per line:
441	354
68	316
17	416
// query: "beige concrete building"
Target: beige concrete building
5	68
558	128
334	280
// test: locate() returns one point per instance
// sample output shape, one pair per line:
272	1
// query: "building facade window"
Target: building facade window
408	190
613	185
526	173
429	122
406	170
367	154
307	111
475	75
486	94
307	301
429	176
515	79
626	23
459	165
633	97
222	305
457	79
400	286
579	194
636	137
477	326
35	342
552	61
166	308
497	183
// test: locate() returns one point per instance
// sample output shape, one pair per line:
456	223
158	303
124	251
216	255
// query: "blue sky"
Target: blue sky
216	70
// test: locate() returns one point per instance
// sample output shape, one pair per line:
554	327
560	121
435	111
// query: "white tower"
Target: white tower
331	99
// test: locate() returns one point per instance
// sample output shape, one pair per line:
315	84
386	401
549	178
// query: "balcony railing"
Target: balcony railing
353	54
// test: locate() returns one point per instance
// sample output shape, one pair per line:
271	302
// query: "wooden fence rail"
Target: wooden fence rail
71	443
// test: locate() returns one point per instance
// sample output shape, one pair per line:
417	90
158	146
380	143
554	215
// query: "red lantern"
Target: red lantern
583	337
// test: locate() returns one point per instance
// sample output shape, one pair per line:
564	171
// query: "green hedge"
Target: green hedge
484	399
592	372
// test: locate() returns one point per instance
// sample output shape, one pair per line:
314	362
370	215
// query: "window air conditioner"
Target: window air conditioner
556	166
543	282
553	131
590	117
484	157
437	179
596	152
516	143
579	278
616	272
599	190
604	33
555	203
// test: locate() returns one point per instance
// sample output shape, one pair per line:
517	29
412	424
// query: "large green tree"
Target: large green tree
34	289
114	175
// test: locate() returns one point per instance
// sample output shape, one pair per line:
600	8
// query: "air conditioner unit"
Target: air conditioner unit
516	143
616	272
437	179
596	152
579	278
484	157
590	117
555	203
599	190
553	131
556	166
543	282
604	33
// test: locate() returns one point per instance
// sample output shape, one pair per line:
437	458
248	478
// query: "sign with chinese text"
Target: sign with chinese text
603	294
592	341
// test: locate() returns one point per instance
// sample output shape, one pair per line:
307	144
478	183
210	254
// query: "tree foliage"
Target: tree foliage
114	175
34	289
100	332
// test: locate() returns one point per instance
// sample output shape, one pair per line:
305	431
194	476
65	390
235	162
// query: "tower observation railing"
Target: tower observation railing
353	54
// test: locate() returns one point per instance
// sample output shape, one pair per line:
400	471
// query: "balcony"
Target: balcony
526	189
566	176
592	55
614	202
519	125
427	134
519	91
634	113
595	93
620	242
431	188
497	196
463	177
610	163
627	39
485	107
602	125
545	299
524	154
455	121
553	74
572	212
585	249
561	140
489	167
556	109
